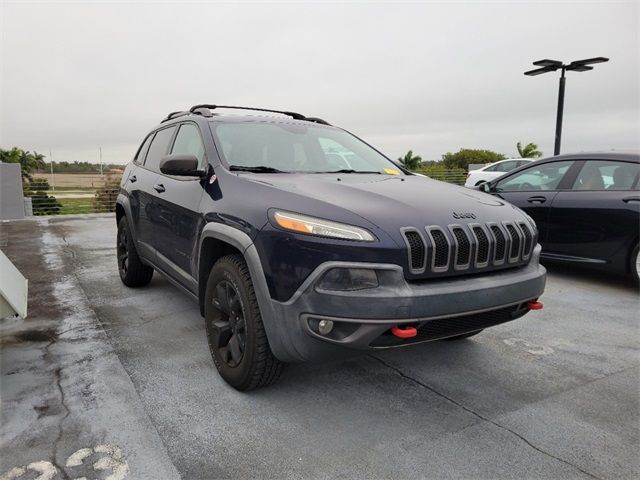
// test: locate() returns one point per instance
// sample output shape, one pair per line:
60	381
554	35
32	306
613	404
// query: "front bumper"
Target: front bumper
362	319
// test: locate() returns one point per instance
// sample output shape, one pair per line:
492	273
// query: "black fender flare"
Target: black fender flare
244	244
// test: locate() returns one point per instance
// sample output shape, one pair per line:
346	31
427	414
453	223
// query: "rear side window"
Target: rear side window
540	177
506	166
607	175
158	149
189	141
142	151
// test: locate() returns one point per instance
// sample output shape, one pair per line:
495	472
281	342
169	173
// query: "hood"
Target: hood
392	202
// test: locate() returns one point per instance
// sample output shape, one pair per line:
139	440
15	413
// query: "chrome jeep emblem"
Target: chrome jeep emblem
461	215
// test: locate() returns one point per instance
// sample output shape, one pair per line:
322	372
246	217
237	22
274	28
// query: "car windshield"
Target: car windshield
269	147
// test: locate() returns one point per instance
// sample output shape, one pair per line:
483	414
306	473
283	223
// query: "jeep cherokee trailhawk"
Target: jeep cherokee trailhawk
301	242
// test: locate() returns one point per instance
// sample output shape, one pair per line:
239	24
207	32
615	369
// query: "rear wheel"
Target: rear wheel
236	335
133	272
635	264
463	336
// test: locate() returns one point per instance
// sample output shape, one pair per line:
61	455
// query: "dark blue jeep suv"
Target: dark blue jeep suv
302	242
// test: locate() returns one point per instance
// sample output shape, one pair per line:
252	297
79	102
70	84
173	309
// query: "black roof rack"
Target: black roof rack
174	115
205	111
317	120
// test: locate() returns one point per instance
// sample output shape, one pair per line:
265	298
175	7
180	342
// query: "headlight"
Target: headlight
349	279
324	228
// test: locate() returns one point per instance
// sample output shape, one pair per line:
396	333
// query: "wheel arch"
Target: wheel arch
123	209
217	240
211	250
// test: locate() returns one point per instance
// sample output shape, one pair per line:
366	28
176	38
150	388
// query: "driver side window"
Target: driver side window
541	177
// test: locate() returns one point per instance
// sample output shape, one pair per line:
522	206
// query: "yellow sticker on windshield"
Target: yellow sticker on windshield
391	171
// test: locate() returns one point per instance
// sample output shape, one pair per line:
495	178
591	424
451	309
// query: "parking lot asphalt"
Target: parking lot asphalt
105	380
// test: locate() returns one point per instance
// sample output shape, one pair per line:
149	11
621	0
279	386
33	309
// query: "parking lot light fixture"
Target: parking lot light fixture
547	65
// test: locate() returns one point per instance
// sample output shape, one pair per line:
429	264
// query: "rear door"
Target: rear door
179	220
596	220
143	191
534	188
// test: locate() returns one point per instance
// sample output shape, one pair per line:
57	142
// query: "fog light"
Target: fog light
325	326
349	279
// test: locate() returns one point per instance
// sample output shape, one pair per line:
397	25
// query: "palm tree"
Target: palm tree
410	161
28	161
530	150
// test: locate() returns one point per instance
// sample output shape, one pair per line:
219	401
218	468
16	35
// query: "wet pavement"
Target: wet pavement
101	380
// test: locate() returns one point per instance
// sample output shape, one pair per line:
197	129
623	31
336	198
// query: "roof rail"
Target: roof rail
317	120
174	115
294	115
205	111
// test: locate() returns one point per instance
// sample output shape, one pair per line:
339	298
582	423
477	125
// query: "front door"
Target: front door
179	220
533	190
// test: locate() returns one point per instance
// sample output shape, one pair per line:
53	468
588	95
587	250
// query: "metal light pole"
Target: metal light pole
553	65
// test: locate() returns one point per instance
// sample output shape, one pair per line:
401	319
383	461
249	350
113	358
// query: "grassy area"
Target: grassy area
79	205
71	190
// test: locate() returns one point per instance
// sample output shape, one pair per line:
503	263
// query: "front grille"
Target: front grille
440	249
448	327
417	250
528	240
463	251
452	326
515	242
482	255
468	247
501	244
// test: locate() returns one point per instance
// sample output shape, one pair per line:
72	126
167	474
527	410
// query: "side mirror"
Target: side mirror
181	164
485	187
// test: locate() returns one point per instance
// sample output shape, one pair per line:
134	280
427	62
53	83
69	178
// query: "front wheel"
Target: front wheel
236	335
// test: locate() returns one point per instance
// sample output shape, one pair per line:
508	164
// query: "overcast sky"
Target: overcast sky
432	77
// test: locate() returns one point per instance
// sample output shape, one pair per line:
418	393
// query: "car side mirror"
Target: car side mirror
485	187
181	164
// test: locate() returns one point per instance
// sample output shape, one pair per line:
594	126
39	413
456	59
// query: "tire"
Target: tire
235	332
463	336
133	272
480	182
634	264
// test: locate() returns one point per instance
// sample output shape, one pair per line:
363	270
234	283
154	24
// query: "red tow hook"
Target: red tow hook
535	305
404	332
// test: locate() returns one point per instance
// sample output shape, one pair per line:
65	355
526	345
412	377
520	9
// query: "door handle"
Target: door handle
631	199
133	179
158	187
537	199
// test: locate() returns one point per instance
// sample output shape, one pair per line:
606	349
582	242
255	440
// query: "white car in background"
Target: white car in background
494	170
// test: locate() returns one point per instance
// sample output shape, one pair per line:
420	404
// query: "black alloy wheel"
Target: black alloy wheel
229	330
235	332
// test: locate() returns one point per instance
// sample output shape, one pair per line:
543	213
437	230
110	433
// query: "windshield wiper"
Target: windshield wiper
254	169
349	170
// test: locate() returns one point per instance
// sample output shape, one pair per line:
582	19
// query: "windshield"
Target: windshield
286	147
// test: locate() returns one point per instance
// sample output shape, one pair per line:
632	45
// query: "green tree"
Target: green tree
42	203
530	150
28	161
463	157
410	161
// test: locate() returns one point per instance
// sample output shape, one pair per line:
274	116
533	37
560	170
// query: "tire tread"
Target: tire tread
266	368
